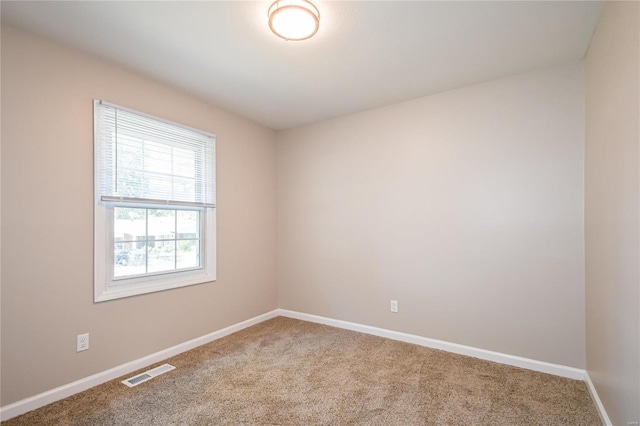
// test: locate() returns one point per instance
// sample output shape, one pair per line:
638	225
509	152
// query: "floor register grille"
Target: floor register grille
148	375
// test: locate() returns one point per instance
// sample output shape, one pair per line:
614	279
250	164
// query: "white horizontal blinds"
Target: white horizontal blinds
149	160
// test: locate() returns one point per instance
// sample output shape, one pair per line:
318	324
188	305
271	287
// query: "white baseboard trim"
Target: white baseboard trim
596	399
530	364
40	400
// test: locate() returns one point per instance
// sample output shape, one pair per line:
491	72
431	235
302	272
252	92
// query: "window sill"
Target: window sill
159	284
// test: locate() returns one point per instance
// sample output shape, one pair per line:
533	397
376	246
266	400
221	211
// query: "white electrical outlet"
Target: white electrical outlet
632	423
83	342
394	306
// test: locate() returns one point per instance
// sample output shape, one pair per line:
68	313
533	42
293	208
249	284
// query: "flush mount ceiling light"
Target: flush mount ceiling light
294	19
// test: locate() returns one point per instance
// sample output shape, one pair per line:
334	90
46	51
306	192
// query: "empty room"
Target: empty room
320	213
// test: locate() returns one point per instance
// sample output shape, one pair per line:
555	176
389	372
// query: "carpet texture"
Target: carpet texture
289	372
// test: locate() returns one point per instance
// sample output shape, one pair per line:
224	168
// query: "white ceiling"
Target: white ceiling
365	55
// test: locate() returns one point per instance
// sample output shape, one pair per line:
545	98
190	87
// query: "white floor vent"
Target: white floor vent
148	375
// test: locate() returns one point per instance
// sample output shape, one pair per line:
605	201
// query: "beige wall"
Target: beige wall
47	221
466	207
612	211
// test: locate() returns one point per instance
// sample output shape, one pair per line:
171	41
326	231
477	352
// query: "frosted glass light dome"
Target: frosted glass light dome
294	19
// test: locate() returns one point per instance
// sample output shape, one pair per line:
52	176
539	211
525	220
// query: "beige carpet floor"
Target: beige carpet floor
290	372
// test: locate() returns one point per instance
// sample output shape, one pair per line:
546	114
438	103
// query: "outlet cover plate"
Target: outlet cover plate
82	342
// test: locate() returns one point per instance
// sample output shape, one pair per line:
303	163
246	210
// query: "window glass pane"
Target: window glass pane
128	261
162	224
188	254
155	240
188	224
129	224
129	227
161	256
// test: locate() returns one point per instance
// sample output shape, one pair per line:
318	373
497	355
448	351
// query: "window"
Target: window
155	217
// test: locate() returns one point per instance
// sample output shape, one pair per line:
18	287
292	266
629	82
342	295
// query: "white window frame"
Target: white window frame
108	288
